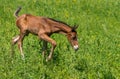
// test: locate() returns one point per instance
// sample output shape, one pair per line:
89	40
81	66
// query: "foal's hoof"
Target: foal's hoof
23	57
48	59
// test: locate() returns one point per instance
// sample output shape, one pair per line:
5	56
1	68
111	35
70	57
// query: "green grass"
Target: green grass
98	36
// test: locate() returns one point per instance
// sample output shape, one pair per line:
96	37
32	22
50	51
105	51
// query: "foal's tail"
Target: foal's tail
16	12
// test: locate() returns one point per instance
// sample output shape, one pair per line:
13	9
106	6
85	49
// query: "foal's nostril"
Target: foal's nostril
76	47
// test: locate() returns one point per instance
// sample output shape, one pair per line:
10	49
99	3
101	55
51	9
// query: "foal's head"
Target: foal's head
72	38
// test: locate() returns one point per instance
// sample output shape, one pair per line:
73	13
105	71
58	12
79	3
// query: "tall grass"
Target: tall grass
98	36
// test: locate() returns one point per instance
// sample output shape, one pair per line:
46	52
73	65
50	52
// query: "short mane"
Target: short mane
59	21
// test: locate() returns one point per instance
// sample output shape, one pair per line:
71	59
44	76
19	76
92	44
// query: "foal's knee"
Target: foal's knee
54	43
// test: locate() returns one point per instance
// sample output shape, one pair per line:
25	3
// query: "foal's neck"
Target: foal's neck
63	27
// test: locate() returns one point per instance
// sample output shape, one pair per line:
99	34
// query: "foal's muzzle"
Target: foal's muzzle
76	47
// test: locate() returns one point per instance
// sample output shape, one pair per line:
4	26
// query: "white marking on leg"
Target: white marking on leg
16	38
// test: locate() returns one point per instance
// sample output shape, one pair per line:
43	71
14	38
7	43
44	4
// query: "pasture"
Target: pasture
98	34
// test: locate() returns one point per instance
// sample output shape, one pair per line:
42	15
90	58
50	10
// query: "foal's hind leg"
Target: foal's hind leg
20	42
14	41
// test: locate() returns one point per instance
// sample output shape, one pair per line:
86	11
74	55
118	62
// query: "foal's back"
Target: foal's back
34	24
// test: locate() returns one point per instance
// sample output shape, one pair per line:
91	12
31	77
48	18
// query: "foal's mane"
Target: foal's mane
59	22
73	28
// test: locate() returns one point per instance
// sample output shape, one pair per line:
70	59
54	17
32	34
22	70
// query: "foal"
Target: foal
43	27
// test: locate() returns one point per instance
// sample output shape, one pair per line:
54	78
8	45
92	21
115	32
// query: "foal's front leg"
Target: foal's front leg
44	48
48	39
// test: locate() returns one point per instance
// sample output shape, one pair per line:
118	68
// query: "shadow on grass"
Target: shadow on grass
81	65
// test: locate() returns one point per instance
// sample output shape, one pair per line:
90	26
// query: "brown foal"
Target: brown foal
43	27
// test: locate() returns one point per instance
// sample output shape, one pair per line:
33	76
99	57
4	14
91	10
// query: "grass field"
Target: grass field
98	36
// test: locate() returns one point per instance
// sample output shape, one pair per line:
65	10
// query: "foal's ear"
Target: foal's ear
75	27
